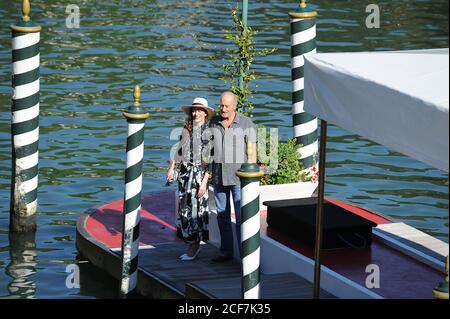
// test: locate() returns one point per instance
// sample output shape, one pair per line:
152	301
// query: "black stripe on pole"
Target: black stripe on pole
302	25
25	53
297	96
29	173
133	172
30	197
308	161
251	280
135	139
297	73
302	118
26	102
251	244
15	34
132	203
307	139
136	231
251	210
303	48
27	150
134	265
25	78
25	126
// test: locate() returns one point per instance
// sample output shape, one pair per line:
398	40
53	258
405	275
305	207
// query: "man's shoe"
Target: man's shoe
221	259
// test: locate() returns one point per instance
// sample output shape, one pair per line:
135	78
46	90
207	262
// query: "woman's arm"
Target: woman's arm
203	186
170	172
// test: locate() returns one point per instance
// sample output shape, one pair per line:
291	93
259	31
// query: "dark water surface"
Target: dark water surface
174	50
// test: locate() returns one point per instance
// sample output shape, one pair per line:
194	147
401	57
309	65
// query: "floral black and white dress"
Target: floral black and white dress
192	165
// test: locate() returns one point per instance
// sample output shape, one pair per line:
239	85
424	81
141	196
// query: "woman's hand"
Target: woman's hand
170	174
202	190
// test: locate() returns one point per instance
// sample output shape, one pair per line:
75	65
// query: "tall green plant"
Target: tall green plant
289	168
241	58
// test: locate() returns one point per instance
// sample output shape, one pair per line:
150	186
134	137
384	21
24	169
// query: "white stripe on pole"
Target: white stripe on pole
250	227
298	107
250	263
252	293
25	115
26	138
134	127
303	36
26	90
298	85
309	150
305	128
297	61
25	41
133	187
27	65
135	155
28	186
249	193
133	218
28	161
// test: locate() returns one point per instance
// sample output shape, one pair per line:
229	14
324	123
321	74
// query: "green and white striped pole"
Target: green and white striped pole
24	123
132	202
250	175
303	35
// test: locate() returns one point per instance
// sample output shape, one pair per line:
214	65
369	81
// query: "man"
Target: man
232	132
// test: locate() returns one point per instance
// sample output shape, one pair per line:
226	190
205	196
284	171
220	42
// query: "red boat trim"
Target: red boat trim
105	223
375	217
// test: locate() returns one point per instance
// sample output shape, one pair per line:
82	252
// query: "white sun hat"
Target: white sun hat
201	103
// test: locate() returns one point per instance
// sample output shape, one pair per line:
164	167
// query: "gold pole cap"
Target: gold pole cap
26	25
135	112
137	95
303	12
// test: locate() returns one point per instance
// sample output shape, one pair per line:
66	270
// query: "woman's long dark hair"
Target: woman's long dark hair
188	123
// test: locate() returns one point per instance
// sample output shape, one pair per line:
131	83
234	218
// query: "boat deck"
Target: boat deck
163	275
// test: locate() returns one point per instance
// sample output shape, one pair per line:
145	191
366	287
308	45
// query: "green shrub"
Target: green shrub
289	168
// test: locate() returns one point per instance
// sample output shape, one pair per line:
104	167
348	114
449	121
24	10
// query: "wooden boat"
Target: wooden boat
377	257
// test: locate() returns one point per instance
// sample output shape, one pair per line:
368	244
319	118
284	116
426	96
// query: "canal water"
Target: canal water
174	50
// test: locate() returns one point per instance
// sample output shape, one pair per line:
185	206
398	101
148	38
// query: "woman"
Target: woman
193	169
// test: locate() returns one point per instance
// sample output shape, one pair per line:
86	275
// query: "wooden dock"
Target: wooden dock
200	278
161	275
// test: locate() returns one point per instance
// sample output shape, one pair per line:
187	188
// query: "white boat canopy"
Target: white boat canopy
399	99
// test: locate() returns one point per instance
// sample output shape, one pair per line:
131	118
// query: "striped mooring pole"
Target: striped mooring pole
303	41
24	122
132	200
250	175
